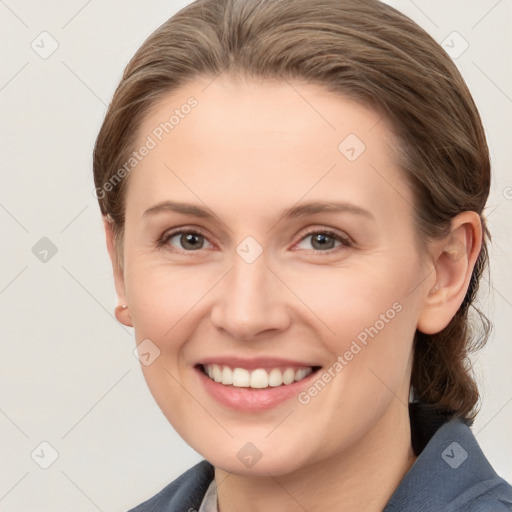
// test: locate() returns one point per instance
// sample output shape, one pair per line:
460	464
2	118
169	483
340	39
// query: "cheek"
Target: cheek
369	372
166	303
348	300
161	297
366	318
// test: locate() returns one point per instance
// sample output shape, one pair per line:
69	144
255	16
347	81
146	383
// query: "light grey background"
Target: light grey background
68	374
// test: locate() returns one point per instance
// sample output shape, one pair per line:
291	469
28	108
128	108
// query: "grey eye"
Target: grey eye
187	240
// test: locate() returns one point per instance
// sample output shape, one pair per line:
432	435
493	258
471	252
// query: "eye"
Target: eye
325	240
187	240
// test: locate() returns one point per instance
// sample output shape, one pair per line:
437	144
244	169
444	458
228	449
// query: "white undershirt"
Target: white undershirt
209	503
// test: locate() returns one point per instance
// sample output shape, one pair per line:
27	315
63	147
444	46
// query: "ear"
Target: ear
454	259
122	313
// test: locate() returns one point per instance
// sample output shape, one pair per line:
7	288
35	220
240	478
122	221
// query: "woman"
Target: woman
293	193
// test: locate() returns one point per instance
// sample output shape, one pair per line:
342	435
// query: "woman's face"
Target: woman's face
304	259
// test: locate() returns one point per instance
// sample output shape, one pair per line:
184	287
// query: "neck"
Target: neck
363	477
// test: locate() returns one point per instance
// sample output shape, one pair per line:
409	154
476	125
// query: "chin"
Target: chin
251	461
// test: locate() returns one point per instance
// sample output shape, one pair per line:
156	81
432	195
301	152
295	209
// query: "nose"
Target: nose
251	301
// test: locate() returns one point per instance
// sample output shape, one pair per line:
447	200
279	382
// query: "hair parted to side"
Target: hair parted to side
364	50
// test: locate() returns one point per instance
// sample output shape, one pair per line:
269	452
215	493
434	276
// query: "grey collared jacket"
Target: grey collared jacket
451	474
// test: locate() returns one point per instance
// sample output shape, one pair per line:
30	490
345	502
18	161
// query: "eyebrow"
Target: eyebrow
301	210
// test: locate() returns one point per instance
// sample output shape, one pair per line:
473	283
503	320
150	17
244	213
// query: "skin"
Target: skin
248	151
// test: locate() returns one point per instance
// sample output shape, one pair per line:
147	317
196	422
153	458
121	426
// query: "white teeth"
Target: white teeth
241	378
227	375
288	376
217	373
302	372
275	378
258	379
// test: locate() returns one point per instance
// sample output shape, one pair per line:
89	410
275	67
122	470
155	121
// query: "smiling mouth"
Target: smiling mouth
258	378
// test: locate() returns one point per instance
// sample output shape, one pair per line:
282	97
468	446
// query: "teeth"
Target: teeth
258	379
217	373
227	375
241	378
275	378
288	376
301	373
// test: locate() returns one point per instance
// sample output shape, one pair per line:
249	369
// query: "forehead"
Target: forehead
289	110
277	140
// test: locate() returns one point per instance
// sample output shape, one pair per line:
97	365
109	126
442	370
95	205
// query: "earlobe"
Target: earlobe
121	311
455	259
123	315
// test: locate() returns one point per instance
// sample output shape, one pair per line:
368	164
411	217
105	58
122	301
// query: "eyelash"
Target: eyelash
345	241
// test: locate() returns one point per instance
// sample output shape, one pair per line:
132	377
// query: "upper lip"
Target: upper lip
256	362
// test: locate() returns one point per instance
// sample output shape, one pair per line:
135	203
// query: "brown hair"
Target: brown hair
361	49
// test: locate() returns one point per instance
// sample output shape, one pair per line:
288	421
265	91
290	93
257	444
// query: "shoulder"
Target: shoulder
495	500
491	494
452	474
184	494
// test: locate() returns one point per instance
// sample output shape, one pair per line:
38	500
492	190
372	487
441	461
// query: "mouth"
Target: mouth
256	378
254	385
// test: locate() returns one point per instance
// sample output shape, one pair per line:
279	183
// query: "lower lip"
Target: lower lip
250	399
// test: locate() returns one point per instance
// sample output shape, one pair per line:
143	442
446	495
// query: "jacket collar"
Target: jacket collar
451	470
